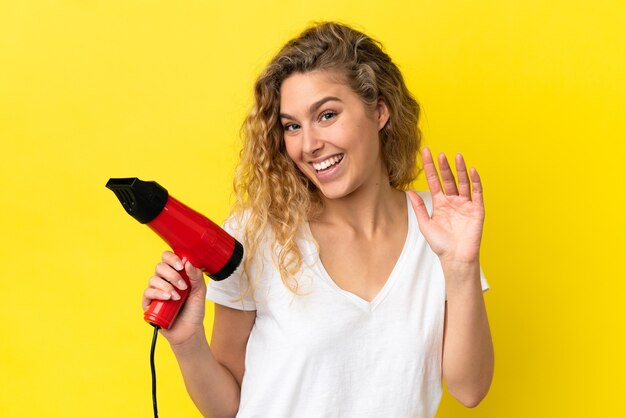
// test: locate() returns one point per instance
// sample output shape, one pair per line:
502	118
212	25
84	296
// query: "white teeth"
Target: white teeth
327	163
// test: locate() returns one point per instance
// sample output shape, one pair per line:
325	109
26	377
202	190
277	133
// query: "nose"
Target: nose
311	142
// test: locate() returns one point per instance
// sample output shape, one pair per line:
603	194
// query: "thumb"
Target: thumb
421	213
194	274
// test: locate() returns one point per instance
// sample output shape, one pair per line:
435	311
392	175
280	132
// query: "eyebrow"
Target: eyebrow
314	107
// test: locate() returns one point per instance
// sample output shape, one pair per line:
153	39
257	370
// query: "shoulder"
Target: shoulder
242	223
235	223
251	231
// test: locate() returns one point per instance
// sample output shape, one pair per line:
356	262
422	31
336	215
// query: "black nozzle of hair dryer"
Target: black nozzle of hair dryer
143	200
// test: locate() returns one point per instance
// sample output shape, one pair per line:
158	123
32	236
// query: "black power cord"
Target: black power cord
153	370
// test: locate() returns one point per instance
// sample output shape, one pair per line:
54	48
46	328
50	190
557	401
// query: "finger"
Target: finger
461	172
447	178
477	186
167	272
173	260
419	207
164	287
158	289
153	294
150	295
432	178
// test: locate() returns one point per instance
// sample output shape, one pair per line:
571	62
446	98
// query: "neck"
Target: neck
365	210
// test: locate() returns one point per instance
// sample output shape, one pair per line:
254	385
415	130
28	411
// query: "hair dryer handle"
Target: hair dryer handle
164	312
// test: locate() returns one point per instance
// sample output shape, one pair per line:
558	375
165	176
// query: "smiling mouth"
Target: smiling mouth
327	163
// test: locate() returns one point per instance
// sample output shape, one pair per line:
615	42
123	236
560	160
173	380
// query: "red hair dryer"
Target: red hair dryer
190	234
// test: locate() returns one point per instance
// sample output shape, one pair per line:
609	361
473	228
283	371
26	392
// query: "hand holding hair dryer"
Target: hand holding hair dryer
190	234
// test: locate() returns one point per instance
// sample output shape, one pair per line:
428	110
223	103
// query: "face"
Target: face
330	134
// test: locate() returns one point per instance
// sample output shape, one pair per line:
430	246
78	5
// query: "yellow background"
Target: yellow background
532	92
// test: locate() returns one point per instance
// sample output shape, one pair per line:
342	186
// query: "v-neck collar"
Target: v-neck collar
391	279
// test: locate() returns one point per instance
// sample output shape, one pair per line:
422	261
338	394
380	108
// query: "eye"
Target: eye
327	115
290	127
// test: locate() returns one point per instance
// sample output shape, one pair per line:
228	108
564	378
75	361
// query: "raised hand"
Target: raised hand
454	229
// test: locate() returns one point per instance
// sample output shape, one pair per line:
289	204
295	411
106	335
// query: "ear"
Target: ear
382	113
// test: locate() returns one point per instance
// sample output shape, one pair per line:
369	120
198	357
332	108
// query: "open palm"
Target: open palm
454	229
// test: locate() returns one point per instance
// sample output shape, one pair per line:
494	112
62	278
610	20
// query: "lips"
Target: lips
327	163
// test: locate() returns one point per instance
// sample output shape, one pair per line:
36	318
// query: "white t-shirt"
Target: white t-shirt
328	353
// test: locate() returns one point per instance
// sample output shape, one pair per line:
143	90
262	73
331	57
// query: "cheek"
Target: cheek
293	149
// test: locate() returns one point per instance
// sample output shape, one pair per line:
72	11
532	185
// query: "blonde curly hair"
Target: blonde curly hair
270	191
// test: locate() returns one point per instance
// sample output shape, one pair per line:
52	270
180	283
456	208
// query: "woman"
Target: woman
355	297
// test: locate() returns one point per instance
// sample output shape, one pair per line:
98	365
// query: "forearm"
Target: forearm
468	359
213	389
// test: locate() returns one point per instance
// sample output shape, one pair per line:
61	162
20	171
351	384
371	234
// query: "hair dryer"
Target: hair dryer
190	234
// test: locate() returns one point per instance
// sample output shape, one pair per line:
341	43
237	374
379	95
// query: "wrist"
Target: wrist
457	271
194	342
460	265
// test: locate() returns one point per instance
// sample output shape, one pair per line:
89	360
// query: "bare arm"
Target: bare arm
468	359
212	375
231	331
454	232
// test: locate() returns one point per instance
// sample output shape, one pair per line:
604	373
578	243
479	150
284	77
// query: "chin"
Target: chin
333	193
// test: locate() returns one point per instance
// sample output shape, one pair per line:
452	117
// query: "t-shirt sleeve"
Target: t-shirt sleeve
228	292
483	281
